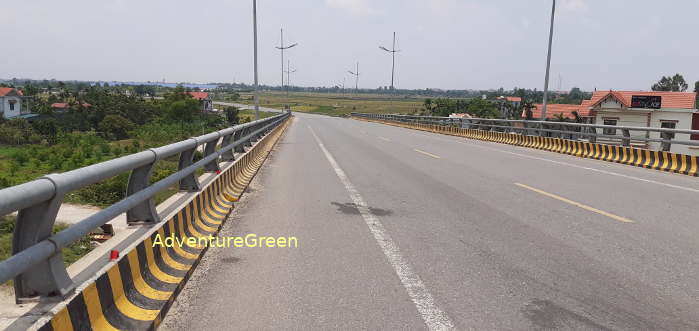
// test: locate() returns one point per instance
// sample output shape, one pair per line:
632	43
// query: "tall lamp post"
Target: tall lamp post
289	71
393	52
548	64
356	78
254	28
282	48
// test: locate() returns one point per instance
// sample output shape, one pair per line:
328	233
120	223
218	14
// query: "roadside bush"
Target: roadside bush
102	194
18	132
115	127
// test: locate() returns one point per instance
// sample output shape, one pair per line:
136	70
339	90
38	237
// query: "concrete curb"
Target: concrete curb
657	160
136	291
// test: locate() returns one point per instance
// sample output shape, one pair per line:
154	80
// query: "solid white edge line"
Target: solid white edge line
433	316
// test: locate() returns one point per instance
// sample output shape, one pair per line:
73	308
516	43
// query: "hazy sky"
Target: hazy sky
453	44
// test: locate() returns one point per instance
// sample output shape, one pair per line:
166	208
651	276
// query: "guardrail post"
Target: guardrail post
626	141
236	136
593	135
139	179
667	141
227	140
209	149
542	127
189	183
35	224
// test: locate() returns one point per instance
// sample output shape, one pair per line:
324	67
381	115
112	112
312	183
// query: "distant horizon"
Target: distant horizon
216	84
446	44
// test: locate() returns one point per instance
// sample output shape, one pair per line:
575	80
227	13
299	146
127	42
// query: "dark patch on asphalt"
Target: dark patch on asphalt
351	209
230	260
546	315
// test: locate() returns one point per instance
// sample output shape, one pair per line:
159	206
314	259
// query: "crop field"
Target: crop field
336	104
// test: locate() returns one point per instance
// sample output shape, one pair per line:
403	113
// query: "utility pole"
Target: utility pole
393	52
288	76
254	28
282	48
548	64
356	78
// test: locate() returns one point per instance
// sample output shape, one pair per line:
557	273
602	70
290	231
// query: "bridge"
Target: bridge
375	222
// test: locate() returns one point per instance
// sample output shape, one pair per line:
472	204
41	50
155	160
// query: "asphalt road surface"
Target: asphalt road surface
406	230
246	107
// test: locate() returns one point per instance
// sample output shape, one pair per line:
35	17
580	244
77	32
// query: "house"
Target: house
204	98
506	112
60	107
12	105
562	111
654	109
671	110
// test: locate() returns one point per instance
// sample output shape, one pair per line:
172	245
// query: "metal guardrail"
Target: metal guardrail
37	265
568	130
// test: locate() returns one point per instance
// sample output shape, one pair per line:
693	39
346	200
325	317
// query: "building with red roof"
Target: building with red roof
657	109
12	103
206	102
565	111
506	112
64	106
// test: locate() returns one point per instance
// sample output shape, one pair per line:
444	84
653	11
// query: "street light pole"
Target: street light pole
289	71
393	52
356	80
282	48
254	28
548	64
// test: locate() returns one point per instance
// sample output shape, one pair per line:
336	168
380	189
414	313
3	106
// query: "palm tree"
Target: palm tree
428	106
528	106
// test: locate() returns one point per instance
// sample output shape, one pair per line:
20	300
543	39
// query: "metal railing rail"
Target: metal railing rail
568	130
37	265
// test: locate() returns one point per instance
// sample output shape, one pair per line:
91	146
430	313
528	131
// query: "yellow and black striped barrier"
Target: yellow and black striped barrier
657	160
135	292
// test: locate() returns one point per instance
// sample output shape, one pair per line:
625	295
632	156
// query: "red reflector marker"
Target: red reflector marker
114	254
218	172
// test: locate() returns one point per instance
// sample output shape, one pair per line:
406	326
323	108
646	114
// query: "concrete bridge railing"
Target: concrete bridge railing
36	264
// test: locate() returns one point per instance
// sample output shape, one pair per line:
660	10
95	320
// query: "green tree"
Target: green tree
183	110
429	106
675	83
47	128
482	108
232	115
528	113
116	127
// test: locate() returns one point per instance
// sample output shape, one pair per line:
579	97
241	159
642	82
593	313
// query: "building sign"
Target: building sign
646	101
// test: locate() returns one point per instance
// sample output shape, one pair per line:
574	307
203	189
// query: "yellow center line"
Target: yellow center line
385	139
577	204
428	154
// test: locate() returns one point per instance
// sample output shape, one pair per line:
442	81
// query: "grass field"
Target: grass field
249	115
339	104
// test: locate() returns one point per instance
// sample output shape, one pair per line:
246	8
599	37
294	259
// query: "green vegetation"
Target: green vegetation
476	107
101	123
675	83
71	253
336	104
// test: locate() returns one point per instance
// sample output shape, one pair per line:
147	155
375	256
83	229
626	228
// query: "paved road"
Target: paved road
400	229
247	107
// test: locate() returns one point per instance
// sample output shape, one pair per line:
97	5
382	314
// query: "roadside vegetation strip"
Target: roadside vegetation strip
136	291
656	160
